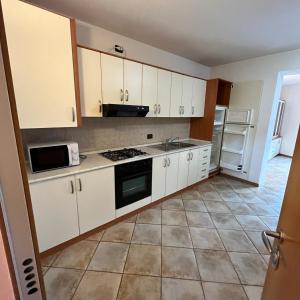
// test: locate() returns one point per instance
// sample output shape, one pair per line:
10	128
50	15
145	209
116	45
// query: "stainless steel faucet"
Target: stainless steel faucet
171	140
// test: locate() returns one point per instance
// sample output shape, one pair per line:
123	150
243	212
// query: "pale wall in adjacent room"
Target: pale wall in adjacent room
104	40
264	68
108	133
291	118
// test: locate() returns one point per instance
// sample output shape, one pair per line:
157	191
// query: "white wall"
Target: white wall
291	118
270	69
101	39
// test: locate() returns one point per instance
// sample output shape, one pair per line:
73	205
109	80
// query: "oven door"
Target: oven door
133	182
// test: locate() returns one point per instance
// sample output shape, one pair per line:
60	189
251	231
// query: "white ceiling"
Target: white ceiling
210	32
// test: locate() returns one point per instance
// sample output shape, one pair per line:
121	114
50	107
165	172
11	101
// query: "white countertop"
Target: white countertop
95	161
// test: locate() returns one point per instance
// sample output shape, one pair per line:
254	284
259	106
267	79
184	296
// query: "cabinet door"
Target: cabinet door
112	79
132	83
198	100
187	94
163	93
172	173
159	177
55	211
176	95
183	170
194	166
90	82
96	198
149	89
41	60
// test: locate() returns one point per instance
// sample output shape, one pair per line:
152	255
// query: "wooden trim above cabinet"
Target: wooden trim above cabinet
138	61
76	71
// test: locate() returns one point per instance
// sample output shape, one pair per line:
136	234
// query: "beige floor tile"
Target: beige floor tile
48	260
109	257
147	234
225	221
253	292
211	196
96	236
251	268
223	291
98	286
194	205
179	289
173	204
261	209
230	196
135	287
76	256
255	237
150	216
205	187
199	219
251	222
143	260
121	232
60	284
179	263
239	208
205	238
215	266
191	195
173	217
176	236
236	240
217	207
223	187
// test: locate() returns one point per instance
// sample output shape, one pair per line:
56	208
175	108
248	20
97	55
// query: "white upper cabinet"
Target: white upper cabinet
132	83
163	93
187	94
90	82
198	98
95	198
41	60
176	95
112	79
149	89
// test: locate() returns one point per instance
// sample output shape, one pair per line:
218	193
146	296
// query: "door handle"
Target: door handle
272	249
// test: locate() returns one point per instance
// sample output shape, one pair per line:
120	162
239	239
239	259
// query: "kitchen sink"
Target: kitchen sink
172	146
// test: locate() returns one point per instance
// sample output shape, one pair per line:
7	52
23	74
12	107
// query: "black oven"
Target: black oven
133	182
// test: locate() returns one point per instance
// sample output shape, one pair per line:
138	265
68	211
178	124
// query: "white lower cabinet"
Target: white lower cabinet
95	198
183	169
172	173
65	207
55	211
193	166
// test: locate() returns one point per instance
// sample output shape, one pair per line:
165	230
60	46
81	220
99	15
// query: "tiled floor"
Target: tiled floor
203	244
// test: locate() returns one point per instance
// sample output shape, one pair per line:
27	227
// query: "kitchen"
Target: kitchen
123	157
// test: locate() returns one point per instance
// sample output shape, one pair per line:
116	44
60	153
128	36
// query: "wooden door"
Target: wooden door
55	211
176	95
112	79
163	93
41	60
149	89
198	98
95	198
132	82
183	169
194	166
90	82
187	94
159	177
283	283
172	173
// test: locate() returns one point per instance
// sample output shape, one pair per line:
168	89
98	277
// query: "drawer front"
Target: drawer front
204	164
203	174
205	153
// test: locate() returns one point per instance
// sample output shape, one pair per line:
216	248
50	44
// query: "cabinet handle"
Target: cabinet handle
73	114
155	108
80	185
169	162
158	108
204	164
100	106
188	156
203	176
126	95
192	155
179	109
203	170
165	162
183	109
193	110
205	156
121	95
72	187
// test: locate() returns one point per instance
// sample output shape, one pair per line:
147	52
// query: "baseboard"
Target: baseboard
241	179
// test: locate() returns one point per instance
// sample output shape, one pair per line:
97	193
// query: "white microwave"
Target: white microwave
49	156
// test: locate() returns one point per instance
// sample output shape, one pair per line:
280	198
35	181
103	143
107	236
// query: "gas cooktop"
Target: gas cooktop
122	154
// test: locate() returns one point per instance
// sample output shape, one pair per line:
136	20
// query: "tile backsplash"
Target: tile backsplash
106	133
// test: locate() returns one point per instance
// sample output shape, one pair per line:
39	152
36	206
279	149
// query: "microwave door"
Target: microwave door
70	155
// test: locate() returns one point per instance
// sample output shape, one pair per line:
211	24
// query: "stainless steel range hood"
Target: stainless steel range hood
122	110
